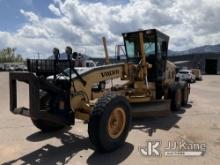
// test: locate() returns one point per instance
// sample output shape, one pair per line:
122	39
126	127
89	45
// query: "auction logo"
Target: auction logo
184	148
173	148
152	148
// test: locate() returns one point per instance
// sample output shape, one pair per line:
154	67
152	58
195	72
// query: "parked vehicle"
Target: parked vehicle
20	67
186	75
9	67
197	74
2	67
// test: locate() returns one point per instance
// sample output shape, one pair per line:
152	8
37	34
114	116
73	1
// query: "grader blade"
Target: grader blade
151	109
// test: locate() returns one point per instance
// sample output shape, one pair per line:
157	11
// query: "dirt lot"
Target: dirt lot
199	122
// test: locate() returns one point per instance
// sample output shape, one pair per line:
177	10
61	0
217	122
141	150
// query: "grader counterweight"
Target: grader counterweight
144	85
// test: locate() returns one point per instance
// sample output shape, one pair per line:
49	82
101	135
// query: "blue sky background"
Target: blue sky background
33	26
12	19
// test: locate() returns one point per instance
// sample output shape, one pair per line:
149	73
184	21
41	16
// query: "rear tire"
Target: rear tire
176	97
185	93
109	122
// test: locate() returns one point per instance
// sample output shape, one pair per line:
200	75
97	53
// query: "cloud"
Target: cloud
32	17
54	10
82	24
210	22
162	4
30	46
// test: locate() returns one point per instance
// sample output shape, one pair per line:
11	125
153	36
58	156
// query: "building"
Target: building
208	63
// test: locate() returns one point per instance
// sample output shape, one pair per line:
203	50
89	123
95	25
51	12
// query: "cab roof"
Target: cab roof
150	31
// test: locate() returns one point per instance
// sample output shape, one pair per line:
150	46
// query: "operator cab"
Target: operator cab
155	50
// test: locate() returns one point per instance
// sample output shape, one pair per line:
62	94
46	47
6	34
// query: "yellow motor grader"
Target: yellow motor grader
141	86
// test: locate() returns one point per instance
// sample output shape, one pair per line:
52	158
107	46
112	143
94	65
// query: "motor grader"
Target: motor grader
143	86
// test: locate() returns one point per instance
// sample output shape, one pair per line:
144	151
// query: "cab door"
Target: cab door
161	59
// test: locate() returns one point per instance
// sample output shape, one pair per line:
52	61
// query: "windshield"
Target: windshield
149	45
149	48
132	42
184	72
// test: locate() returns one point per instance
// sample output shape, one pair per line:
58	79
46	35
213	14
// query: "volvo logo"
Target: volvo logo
110	73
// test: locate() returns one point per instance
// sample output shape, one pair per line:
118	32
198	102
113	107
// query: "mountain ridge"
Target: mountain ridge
196	50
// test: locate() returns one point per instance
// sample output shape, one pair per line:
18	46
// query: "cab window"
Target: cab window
149	45
149	48
130	48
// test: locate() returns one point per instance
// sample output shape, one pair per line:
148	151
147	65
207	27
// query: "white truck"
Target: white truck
186	75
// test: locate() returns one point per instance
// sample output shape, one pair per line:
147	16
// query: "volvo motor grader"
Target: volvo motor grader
144	85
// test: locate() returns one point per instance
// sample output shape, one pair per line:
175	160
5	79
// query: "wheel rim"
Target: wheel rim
178	97
116	122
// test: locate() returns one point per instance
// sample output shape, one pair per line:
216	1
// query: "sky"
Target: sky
33	26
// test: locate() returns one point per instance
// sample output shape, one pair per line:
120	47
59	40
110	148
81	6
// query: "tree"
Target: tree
8	55
19	58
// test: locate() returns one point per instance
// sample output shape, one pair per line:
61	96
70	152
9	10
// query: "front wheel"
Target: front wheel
109	122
